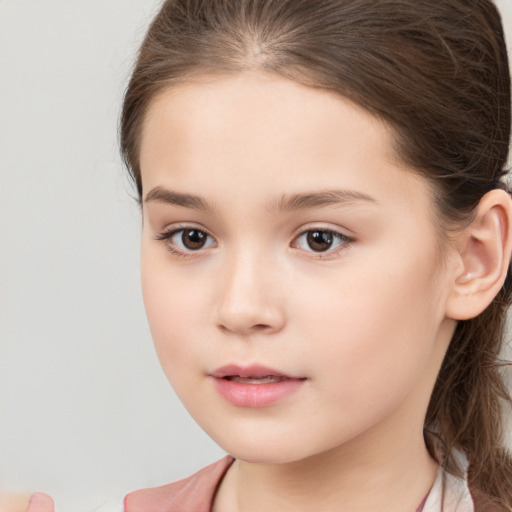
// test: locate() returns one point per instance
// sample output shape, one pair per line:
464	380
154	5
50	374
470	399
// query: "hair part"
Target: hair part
435	72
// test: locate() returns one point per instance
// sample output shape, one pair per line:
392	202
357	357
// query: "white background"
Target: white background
85	411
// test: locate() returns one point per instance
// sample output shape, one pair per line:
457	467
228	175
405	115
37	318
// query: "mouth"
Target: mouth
254	386
254	374
255	380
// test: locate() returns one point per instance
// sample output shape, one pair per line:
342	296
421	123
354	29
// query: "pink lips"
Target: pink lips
254	386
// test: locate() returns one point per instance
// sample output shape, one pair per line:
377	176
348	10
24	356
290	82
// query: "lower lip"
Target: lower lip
256	395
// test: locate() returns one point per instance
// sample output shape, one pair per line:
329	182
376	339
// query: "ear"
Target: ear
484	249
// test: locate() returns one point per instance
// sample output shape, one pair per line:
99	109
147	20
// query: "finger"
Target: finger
41	502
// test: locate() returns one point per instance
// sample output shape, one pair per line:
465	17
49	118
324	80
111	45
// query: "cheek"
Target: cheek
175	308
374	326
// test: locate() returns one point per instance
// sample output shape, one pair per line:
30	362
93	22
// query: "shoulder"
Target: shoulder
192	494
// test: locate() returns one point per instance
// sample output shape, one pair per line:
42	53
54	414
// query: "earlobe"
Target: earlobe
484	254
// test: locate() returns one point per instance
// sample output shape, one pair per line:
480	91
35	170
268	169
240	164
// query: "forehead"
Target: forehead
258	132
254	107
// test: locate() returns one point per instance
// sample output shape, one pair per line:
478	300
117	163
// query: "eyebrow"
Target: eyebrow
162	195
294	202
287	203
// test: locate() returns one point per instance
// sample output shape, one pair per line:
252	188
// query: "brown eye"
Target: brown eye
320	241
186	240
193	239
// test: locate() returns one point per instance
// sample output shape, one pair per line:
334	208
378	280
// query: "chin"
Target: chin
258	455
265	449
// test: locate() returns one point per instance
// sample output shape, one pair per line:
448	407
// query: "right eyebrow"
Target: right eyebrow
163	195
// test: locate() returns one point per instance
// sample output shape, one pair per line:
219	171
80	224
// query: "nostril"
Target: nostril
234	328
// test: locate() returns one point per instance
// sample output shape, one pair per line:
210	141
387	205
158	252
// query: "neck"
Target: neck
359	476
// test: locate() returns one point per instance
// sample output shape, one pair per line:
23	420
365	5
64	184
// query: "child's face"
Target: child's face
290	239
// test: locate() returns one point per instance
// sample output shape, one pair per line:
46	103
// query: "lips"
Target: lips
248	372
255	380
254	386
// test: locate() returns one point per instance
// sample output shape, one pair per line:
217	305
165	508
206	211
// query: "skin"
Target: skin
366	323
38	502
14	502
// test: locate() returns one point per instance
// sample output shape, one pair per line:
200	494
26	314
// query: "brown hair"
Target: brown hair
437	73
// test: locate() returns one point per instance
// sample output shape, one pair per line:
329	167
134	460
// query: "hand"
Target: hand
14	502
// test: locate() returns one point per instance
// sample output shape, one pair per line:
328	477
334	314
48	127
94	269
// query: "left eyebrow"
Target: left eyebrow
289	203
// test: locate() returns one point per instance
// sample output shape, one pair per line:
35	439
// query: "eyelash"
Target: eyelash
344	241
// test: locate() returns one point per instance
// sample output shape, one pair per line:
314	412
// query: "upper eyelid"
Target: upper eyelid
321	227
167	232
333	231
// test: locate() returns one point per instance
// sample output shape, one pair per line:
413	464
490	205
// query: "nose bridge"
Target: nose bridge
247	299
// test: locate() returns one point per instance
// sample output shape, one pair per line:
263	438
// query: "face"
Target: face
291	269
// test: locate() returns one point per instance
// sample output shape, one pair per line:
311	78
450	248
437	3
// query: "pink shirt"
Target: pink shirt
192	494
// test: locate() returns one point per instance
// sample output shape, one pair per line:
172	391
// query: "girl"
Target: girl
325	249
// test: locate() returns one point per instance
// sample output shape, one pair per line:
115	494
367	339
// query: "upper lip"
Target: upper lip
255	371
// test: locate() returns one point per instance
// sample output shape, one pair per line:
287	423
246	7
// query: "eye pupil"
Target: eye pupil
193	239
320	240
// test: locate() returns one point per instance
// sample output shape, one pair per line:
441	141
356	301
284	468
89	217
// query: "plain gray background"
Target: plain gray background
85	411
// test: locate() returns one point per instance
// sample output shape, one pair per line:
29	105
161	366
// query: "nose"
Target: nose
249	301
